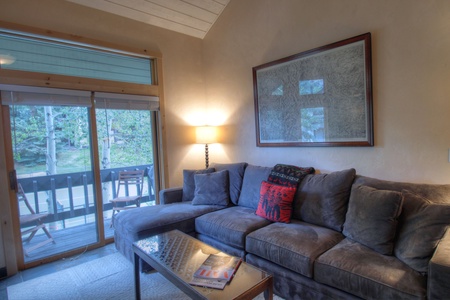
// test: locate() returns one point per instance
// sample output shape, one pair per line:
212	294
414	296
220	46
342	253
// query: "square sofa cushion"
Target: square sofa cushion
358	270
230	226
236	175
251	185
275	202
322	199
288	175
189	182
295	245
422	225
372	218
211	189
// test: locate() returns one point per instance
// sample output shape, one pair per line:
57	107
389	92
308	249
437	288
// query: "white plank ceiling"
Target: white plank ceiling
191	17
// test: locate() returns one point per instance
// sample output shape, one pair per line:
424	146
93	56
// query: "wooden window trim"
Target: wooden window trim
61	81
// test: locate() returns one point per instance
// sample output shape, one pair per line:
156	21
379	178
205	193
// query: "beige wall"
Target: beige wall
411	80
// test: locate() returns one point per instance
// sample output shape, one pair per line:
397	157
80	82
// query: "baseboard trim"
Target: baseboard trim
3	272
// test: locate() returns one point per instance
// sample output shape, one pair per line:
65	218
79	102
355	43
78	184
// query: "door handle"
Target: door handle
13	180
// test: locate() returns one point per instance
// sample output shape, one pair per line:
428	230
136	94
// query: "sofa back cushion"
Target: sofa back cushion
436	193
251	185
422	225
236	176
322	199
372	218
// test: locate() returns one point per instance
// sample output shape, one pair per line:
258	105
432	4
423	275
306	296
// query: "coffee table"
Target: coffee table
176	256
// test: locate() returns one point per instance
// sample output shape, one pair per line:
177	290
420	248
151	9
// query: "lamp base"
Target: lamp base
206	156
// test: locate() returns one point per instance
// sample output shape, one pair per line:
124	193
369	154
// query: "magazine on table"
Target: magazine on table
210	283
218	267
216	271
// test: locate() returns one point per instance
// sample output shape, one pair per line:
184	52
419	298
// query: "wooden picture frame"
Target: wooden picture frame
320	97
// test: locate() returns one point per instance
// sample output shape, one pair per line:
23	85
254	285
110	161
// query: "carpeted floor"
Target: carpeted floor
109	277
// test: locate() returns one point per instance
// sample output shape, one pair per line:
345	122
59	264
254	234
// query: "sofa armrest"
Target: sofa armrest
439	270
171	195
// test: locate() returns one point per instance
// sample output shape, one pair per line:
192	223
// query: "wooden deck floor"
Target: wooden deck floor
66	240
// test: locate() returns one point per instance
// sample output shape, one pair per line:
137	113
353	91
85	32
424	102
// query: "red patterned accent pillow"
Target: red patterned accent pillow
275	202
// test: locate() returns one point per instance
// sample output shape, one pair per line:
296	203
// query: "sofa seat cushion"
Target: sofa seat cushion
363	272
134	224
294	245
221	246
231	225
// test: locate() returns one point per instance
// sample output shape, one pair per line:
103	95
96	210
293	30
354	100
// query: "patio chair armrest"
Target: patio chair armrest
439	270
171	195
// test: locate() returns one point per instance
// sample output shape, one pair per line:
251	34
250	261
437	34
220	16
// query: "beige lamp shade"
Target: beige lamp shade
206	134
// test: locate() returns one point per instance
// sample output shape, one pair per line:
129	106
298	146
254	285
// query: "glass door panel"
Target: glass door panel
51	146
125	144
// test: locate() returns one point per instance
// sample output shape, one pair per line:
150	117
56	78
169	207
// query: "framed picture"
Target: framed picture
320	97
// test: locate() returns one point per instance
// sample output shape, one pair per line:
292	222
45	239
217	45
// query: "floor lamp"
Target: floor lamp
206	135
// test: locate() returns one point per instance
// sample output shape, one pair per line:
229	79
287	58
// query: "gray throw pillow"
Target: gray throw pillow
322	199
212	189
189	183
236	174
372	218
422	225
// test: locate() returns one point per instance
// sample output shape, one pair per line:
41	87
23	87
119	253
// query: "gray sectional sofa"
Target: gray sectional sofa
348	237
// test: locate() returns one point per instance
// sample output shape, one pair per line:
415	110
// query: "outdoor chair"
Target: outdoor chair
129	191
33	222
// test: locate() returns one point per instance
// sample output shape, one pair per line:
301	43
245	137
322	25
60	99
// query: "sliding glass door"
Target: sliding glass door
67	168
51	145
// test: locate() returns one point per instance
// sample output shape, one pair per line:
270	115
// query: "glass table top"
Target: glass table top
181	255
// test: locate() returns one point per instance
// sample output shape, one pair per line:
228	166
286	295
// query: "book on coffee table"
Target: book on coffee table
216	271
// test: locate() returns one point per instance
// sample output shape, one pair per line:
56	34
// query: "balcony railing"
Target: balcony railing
71	194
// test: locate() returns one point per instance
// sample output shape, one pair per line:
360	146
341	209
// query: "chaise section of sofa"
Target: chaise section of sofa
177	210
135	224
